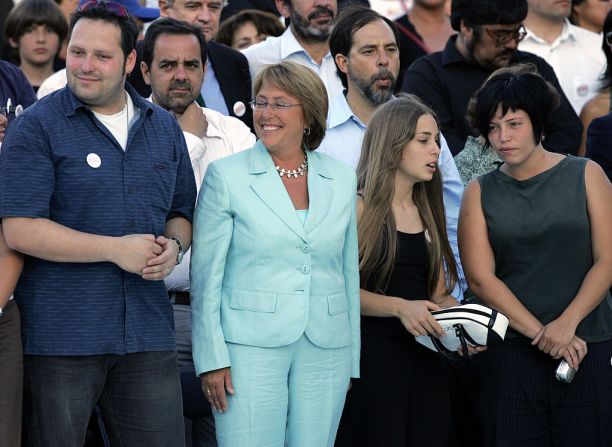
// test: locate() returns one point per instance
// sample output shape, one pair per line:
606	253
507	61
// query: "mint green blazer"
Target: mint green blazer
261	278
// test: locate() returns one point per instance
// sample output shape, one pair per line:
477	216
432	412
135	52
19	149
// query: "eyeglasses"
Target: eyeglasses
262	105
502	37
609	38
115	8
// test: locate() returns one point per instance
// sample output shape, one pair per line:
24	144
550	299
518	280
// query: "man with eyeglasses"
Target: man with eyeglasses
98	192
488	35
227	81
573	52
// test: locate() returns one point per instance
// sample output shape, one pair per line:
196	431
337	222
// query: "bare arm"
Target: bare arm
10	268
479	265
45	239
557	336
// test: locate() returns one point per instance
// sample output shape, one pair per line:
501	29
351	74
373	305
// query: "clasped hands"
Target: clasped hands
416	317
151	257
558	339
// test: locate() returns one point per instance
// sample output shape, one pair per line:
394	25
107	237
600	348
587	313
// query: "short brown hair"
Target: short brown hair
305	85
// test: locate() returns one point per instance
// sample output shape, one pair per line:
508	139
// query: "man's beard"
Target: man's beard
312	33
178	104
376	96
488	64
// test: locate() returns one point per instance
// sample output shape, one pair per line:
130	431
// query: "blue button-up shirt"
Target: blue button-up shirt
343	140
46	171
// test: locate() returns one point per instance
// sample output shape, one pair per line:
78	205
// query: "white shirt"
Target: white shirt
577	58
225	135
53	83
286	48
343	140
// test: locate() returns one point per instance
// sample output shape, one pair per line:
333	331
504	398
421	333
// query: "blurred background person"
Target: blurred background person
551	36
600	104
36	30
424	28
536	245
248	27
590	14
403	250
274	275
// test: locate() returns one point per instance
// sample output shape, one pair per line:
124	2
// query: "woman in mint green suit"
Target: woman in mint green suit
274	275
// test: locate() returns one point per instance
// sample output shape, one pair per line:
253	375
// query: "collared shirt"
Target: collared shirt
577	58
225	136
287	48
446	81
343	140
211	91
60	163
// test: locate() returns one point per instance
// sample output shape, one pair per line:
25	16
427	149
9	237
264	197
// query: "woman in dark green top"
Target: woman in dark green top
536	244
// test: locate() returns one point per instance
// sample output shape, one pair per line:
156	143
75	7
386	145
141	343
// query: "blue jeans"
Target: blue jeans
139	394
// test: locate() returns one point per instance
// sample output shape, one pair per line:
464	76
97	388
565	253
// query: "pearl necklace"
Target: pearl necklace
294	172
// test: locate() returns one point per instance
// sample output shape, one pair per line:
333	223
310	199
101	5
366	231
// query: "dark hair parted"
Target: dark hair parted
519	87
126	25
351	20
265	23
35	12
172	27
391	128
304	85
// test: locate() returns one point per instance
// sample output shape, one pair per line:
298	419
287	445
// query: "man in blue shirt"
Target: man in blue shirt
96	188
365	47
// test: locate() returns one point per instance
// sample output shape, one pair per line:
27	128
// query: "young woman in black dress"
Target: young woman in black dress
402	396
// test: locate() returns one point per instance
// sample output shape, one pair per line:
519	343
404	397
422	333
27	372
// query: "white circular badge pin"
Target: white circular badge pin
94	160
239	108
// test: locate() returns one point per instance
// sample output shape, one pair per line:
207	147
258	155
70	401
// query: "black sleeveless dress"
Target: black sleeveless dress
402	398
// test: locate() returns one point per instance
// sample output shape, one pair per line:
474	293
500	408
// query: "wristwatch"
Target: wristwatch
179	256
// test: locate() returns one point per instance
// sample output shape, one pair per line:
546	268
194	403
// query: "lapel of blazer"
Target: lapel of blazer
320	191
270	189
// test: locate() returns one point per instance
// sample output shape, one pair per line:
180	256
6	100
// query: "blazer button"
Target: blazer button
305	269
306	248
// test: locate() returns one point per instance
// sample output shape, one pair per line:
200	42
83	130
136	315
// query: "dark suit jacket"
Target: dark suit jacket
232	72
599	143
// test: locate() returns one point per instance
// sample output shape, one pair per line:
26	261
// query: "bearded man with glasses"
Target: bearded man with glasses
488	34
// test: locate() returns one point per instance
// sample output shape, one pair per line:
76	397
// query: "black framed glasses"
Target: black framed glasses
115	8
501	37
258	104
609	38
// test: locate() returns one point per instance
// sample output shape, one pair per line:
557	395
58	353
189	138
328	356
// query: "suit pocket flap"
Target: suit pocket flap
337	303
255	301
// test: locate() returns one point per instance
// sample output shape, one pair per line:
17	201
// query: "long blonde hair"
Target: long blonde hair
391	128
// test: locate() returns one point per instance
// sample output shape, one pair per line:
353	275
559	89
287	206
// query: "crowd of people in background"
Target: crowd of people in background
225	224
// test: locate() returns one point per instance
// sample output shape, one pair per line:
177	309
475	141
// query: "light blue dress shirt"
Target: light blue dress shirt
211	91
343	141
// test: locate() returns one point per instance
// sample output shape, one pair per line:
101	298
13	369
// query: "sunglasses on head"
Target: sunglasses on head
115	8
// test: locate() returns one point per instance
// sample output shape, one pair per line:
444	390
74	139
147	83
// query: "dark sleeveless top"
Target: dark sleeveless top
408	280
539	231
